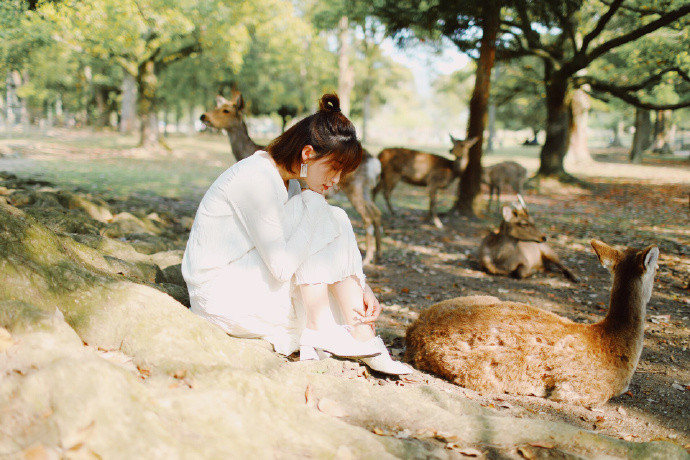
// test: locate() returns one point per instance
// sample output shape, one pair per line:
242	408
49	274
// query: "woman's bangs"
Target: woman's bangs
347	159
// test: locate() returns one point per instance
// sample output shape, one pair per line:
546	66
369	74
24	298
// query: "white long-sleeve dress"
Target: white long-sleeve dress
253	242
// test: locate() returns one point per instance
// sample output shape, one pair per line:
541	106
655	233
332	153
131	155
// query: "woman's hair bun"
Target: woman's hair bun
329	103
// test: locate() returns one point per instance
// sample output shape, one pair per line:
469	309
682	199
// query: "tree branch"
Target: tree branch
615	5
635	34
586	79
634	100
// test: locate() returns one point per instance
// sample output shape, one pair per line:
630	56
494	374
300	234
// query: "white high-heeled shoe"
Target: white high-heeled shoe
383	362
336	340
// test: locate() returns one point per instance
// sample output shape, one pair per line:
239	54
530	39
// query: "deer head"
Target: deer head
461	150
227	114
519	225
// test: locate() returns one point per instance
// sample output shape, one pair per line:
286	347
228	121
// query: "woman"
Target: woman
267	259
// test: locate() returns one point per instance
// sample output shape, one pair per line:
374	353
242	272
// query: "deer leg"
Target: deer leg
548	256
356	197
488	266
433	217
522	271
388	184
375	215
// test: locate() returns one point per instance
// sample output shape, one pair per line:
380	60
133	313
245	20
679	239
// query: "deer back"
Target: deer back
416	167
505	173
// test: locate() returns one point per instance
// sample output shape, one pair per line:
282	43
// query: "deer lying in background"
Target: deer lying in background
518	248
496	347
498	176
421	168
357	185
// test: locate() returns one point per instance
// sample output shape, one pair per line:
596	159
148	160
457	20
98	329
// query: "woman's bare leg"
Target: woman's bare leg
350	297
317	306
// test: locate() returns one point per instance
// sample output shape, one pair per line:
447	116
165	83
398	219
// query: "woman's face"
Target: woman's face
321	174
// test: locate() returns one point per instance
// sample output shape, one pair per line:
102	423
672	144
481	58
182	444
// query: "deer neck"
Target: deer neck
627	307
240	142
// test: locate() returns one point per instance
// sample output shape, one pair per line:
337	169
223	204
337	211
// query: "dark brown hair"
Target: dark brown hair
328	131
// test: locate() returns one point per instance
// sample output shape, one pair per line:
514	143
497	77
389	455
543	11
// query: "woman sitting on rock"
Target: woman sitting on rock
267	259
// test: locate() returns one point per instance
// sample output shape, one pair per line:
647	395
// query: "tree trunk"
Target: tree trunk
23	104
128	109
11	100
578	152
102	113
557	126
618	135
147	84
366	113
492	129
662	130
346	75
470	182
642	138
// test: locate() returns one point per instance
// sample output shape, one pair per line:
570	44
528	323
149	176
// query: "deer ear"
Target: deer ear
220	100
651	257
608	256
452	139
239	101
507	213
471	141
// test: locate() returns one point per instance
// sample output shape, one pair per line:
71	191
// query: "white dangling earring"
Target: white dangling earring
303	170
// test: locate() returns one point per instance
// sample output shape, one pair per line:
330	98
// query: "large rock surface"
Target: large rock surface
98	363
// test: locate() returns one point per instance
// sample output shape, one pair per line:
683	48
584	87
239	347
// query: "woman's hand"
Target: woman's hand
372	307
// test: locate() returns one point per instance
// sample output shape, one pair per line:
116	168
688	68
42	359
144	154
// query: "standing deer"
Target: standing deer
502	174
518	248
357	185
422	168
496	347
228	116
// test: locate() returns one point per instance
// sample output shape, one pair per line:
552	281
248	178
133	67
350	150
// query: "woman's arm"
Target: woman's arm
257	203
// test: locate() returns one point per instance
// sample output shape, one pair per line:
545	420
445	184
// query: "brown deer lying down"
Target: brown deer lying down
495	347
228	115
498	176
421	168
518	248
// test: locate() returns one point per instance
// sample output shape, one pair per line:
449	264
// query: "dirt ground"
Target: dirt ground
422	265
622	206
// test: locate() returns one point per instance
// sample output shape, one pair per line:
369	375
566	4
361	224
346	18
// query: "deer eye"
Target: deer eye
226	111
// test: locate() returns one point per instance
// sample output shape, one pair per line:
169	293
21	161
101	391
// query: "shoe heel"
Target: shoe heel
307	353
323	354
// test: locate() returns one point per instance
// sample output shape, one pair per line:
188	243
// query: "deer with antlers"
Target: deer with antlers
357	186
518	248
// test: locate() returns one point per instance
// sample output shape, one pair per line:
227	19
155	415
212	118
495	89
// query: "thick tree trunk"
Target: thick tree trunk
346	75
578	152
557	127
147	84
662	132
128	107
642	138
470	181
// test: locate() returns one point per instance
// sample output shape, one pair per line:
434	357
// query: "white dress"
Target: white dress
252	242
